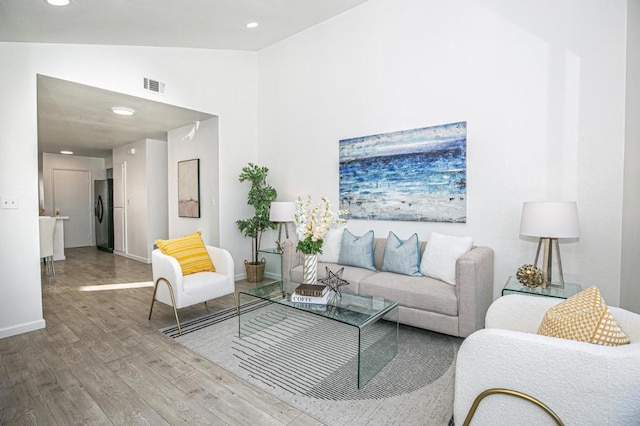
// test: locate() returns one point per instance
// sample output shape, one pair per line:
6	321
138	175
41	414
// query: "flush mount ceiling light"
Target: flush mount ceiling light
252	24
66	152
123	111
59	2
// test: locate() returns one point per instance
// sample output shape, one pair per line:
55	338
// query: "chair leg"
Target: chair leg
53	267
510	392
173	301
235	300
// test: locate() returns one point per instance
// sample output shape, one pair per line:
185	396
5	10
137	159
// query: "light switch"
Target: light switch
9	202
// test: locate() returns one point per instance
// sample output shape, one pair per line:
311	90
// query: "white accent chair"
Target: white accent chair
47	229
582	383
182	291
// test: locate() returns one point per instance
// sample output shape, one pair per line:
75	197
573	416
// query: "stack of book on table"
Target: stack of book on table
316	294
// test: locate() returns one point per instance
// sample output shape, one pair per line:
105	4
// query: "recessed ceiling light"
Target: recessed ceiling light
59	2
252	24
66	152
123	111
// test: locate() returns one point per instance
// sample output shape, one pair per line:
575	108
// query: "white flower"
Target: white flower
314	222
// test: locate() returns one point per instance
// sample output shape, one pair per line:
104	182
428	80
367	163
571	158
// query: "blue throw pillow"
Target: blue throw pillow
357	251
402	257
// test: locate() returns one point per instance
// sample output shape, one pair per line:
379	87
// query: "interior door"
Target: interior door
72	196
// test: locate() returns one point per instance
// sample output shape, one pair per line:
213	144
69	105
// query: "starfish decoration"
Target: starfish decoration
334	281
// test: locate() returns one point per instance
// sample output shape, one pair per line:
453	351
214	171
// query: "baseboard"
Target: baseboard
272	276
132	256
22	328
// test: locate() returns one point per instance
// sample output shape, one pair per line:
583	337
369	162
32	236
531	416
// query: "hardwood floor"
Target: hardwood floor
100	361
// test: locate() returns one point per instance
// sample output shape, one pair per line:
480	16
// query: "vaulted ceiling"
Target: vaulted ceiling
77	117
212	24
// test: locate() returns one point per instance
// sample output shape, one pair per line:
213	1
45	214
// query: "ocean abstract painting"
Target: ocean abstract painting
409	175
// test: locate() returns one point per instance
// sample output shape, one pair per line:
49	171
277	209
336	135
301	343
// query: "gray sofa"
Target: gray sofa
457	310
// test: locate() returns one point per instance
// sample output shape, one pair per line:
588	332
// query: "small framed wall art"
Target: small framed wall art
189	188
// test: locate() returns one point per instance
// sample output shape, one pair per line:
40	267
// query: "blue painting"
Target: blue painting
410	175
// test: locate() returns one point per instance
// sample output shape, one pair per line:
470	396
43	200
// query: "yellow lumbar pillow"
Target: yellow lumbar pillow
189	251
585	318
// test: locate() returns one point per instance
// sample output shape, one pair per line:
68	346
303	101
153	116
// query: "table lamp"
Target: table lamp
282	212
550	221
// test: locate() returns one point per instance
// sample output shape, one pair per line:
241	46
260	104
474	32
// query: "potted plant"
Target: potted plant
260	197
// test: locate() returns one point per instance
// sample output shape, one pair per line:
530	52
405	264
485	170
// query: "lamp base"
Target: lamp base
547	262
286	230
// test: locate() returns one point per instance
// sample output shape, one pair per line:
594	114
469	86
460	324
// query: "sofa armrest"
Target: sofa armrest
584	384
164	266
290	257
474	288
222	261
519	312
167	267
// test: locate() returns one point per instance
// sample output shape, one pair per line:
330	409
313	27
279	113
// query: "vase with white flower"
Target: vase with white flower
312	224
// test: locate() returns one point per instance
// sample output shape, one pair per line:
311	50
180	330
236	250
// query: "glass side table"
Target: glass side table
514	286
273	268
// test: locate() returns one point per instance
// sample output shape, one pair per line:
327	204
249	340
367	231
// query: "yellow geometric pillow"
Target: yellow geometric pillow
190	252
585	318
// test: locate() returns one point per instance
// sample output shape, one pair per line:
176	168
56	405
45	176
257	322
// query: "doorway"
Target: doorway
72	198
79	118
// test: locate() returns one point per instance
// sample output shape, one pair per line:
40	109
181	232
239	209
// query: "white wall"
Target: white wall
187	143
541	85
157	193
222	83
630	288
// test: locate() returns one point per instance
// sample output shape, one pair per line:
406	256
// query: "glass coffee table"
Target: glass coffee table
356	317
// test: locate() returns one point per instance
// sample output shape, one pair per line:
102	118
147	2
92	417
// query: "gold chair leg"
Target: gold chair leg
517	394
173	301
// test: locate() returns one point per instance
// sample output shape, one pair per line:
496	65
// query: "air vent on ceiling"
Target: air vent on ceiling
153	85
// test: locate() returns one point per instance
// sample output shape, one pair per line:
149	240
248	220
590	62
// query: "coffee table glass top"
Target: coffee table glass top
351	309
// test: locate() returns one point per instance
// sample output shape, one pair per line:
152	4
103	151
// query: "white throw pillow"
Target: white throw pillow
331	245
440	256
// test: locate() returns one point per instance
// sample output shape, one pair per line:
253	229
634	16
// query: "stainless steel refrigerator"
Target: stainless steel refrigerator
103	210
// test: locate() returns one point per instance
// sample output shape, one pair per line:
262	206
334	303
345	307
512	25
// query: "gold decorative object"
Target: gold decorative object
530	276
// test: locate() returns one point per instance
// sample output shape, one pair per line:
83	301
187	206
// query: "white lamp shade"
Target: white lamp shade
550	220
282	211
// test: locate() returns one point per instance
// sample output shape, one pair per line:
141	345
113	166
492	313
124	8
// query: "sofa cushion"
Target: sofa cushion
189	251
351	274
357	251
423	293
402	257
584	317
331	245
440	256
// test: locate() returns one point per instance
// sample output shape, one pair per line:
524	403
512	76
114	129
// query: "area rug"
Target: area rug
310	363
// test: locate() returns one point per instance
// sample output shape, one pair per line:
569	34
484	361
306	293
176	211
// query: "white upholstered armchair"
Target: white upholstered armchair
178	291
582	383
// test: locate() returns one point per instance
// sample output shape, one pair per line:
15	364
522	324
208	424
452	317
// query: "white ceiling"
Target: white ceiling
213	24
77	117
